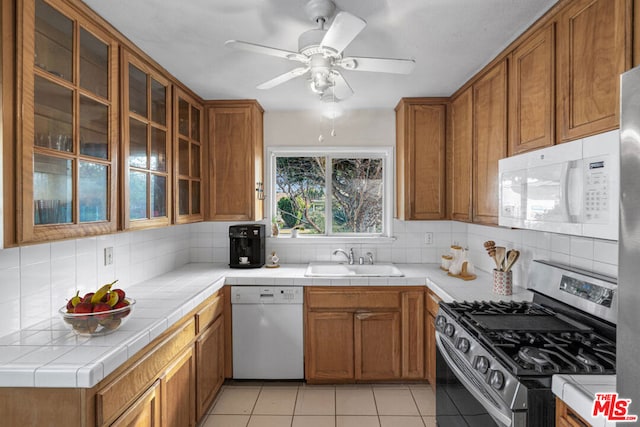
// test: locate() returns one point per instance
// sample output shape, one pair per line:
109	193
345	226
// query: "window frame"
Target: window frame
385	153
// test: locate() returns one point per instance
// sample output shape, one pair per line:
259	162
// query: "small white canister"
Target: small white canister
445	263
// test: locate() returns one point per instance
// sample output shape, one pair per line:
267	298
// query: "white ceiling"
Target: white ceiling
450	40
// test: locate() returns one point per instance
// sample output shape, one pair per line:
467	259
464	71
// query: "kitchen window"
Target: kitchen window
334	192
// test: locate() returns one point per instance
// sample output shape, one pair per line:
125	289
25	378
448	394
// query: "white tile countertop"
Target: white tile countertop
579	391
50	355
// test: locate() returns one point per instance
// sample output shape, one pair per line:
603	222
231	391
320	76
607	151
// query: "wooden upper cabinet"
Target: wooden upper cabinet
420	158
460	153
188	119
531	93
489	140
146	147
594	48
68	129
236	189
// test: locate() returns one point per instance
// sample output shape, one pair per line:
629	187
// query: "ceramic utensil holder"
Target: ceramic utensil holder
502	282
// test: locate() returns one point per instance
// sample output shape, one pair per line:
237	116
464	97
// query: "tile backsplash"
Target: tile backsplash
36	280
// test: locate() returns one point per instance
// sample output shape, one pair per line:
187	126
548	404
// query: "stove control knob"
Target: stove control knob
496	379
463	345
482	364
449	330
440	322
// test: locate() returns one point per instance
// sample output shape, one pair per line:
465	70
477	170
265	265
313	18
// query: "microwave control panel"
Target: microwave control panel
596	190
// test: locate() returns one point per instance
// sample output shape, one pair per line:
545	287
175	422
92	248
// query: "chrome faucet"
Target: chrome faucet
348	255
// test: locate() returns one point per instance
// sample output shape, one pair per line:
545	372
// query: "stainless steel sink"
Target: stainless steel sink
356	270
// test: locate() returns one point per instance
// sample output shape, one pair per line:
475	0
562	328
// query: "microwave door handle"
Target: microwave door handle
565	182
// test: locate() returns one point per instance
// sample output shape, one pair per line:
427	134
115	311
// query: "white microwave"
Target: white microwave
571	188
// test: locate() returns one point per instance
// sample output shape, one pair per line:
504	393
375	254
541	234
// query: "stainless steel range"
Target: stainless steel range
495	360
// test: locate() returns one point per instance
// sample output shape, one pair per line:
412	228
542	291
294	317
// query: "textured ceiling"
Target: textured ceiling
450	40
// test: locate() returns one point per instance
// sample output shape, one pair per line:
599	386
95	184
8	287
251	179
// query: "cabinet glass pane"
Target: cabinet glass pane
195	124
94	64
195	197
94	128
137	195
137	144
195	161
183	157
158	150
137	91
158	196
53	41
52	190
183	117
53	115
93	191
158	103
183	195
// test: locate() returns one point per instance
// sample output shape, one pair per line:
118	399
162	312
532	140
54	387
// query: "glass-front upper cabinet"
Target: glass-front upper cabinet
146	145
187	147
69	126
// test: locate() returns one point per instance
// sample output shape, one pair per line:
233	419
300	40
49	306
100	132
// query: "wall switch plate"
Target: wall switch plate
108	255
428	238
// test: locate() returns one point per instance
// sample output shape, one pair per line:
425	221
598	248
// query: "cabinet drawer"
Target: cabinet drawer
209	313
115	397
432	303
352	298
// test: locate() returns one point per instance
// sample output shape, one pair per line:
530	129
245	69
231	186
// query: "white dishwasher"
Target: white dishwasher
267	332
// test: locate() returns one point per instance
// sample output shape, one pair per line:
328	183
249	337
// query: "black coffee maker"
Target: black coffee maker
246	246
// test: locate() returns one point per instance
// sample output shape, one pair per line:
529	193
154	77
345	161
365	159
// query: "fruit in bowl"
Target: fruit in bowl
97	313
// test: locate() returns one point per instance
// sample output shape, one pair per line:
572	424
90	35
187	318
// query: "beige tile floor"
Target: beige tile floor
267	404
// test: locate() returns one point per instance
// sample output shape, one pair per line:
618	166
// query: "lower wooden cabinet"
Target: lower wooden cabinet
567	417
177	387
329	353
377	345
430	340
210	365
144	412
363	334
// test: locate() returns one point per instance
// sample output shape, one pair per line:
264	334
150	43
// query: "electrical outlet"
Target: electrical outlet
428	238
108	255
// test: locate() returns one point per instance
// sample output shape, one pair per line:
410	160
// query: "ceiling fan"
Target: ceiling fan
321	53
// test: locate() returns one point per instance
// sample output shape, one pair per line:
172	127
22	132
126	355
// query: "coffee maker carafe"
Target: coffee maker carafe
246	246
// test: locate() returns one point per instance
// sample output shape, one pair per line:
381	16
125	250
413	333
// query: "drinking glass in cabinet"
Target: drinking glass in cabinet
53	41
53	190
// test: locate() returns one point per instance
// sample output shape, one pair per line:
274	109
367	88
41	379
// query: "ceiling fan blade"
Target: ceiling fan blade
266	50
378	65
283	78
343	30
341	88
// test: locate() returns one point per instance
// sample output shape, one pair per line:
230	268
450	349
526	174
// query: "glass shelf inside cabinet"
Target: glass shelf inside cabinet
53	41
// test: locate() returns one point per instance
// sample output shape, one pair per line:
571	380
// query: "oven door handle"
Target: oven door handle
496	413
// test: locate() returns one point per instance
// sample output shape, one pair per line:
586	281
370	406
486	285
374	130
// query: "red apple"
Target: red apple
83	308
102	307
87	297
